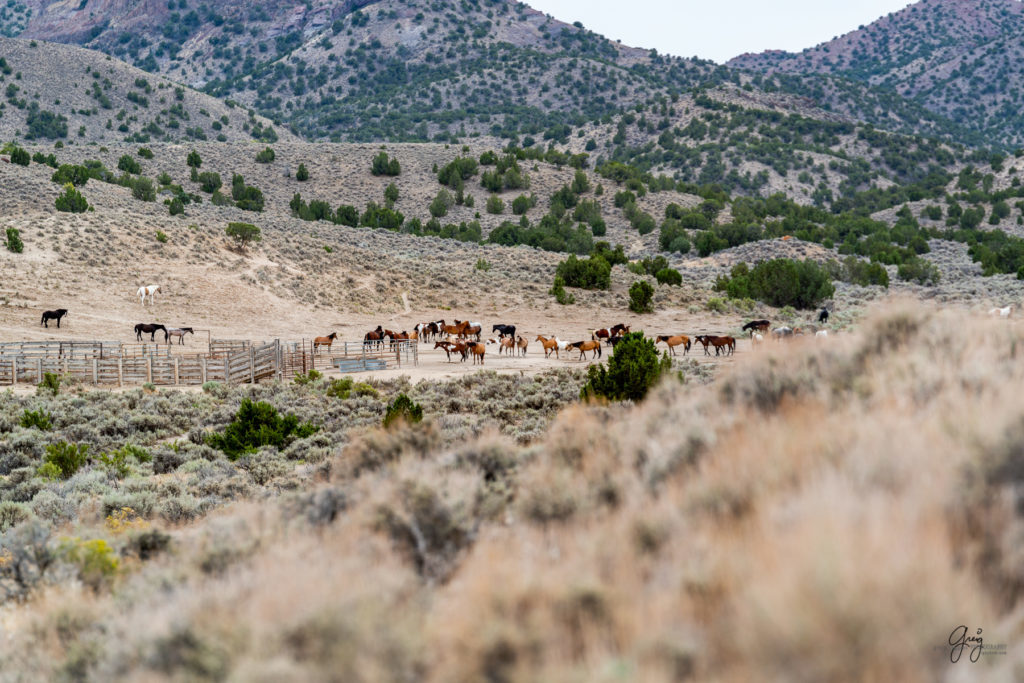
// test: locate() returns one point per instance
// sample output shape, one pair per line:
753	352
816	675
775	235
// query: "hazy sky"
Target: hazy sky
719	29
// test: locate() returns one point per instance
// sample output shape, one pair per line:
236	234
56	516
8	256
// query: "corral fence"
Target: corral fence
301	357
116	363
235	361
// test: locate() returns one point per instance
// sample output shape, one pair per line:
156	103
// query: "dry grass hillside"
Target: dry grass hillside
813	515
104	100
289	284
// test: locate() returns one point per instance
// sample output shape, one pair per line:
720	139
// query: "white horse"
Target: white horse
821	334
149	291
1001	312
757	339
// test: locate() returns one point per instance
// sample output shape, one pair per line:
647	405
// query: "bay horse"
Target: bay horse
619	330
757	326
178	332
675	340
150	329
612	341
324	341
602	333
470	328
53	315
521	344
374	337
505	330
728	344
584	346
150	291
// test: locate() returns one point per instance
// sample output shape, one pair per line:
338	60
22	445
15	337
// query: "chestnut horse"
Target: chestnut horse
548	344
508	343
477	350
325	341
521	344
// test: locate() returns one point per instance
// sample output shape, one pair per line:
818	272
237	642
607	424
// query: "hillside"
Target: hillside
398	70
53	92
959	59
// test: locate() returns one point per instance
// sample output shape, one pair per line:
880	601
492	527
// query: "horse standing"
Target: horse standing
178	332
325	341
150	329
53	315
823	316
505	330
150	291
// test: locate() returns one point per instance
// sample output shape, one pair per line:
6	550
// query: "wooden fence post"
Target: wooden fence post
202	368
149	369
176	382
252	365
120	371
95	371
39	370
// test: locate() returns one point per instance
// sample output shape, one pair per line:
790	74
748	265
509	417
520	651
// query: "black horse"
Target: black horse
757	326
503	330
53	315
150	329
823	316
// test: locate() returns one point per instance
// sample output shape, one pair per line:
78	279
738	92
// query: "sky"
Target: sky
719	29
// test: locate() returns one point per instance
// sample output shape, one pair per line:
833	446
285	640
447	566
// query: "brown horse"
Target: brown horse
548	344
452	347
506	343
521	344
584	346
674	341
619	330
325	341
600	334
757	326
728	344
374	337
477	350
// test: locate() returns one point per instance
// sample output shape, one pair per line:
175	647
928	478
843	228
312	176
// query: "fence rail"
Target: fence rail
300	357
232	361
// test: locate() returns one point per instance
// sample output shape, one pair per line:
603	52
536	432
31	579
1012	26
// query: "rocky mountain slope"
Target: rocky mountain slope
54	92
959	59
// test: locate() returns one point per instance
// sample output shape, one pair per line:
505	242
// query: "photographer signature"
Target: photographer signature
959	639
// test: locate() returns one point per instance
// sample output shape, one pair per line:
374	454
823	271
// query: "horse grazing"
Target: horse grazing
757	326
1001	312
823	316
619	330
521	344
150	291
548	344
324	341
675	340
584	346
477	350
150	329
178	332
505	331
53	315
